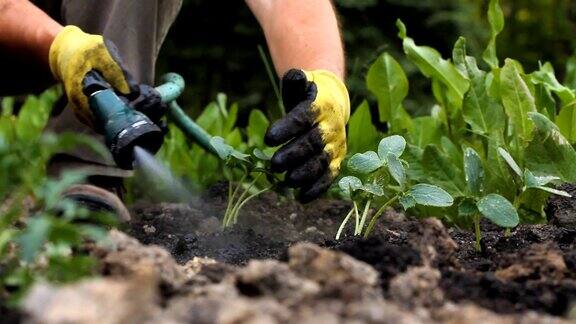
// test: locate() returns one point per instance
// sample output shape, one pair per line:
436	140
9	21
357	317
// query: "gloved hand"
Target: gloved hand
315	128
74	53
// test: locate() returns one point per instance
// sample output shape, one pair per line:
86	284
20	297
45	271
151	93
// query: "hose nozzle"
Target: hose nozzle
123	127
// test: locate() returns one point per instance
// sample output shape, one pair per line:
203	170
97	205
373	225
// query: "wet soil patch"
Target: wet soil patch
534	268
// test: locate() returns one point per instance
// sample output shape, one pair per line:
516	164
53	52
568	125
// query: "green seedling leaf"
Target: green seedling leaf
555	191
34	237
394	144
467	208
499	210
540	182
365	163
349	184
473	170
374	189
547	77
483	113
496	19
259	154
362	134
517	98
429	195
388	82
510	161
432	65
407	202
425	131
257	126
549	152
226	151
533	181
459	54
545	102
396	169
438	169
452	151
570	78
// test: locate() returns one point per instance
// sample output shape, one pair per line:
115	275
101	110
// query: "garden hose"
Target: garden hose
171	88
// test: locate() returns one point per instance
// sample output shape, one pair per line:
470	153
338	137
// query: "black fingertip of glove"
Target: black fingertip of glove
307	194
308	172
297	122
297	151
132	84
294	85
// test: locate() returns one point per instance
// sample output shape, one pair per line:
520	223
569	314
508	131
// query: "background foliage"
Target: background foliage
215	48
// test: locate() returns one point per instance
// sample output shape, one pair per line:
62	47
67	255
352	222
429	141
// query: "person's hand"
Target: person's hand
73	54
314	129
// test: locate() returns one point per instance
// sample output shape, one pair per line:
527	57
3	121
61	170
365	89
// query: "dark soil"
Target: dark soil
532	269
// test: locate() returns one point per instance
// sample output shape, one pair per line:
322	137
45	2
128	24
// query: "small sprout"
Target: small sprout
377	170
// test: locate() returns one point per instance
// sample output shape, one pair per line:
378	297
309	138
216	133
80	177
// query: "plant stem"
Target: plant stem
231	196
377	215
478	233
272	78
341	228
237	210
356	218
234	213
364	216
507	232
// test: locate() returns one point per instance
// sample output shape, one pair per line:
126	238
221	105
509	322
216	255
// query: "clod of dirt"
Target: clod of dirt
433	241
125	256
387	258
538	261
417	287
561	211
110	300
472	314
274	279
339	275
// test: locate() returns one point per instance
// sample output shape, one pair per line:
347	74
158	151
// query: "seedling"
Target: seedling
378	170
243	189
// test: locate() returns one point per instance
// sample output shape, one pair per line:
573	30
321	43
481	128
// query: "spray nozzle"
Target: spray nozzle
123	127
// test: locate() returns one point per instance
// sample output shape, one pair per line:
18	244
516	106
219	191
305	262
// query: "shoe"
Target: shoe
98	200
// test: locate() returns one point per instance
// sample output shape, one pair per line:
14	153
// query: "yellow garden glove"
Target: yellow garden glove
314	129
73	54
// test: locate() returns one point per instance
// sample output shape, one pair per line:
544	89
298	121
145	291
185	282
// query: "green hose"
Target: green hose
171	88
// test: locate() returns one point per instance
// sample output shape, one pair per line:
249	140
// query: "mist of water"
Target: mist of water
157	180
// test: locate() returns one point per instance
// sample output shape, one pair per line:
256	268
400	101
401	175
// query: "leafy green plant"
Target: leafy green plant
496	139
246	174
243	189
41	234
382	181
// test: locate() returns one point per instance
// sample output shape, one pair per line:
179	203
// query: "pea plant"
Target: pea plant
382	182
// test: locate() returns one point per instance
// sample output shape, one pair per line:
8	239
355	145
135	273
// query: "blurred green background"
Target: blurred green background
215	45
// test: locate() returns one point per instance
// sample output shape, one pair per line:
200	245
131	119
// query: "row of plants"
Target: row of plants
495	144
498	139
40	233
